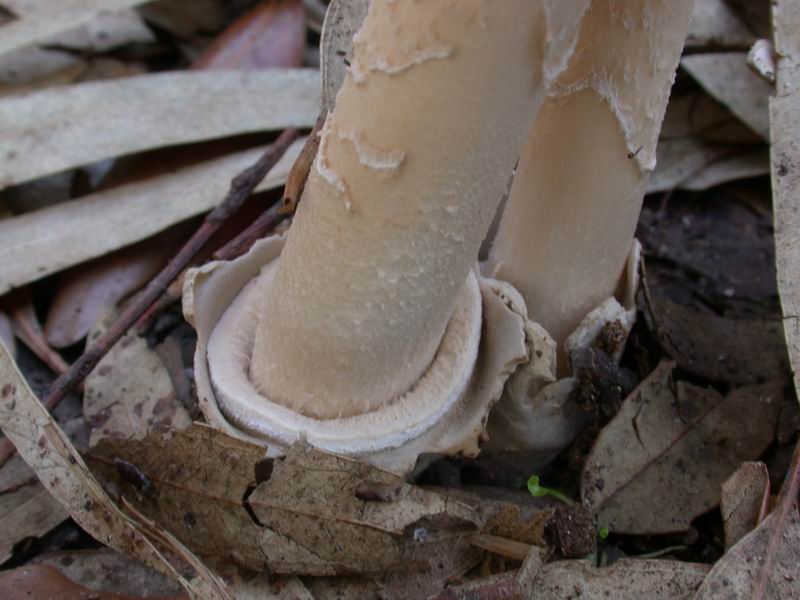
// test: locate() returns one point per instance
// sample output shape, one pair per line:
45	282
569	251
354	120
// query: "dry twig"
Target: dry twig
241	188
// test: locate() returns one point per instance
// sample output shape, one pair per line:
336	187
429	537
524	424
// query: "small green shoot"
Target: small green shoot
539	491
603	532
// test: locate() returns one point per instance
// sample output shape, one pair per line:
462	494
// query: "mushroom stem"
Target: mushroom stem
568	226
411	165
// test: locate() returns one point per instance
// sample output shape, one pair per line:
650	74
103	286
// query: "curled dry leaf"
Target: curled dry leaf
342	21
50	240
26	327
88	291
38	581
734	351
715	26
702	145
785	116
626	579
185	18
62	471
34	21
329	505
661	461
26	508
727	78
309	513
764	564
105	32
270	35
58	129
744	500
108	571
7	334
130	393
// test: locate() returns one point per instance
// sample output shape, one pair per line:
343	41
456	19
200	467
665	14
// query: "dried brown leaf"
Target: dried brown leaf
661	461
108	571
186	17
37	20
58	129
105	32
311	513
744	500
764	564
88	291
38	581
62	471
702	145
7	334
626	579
729	350
785	117
318	501
728	78
343	20
27	511
270	35
130	394
715	26
26	327
50	240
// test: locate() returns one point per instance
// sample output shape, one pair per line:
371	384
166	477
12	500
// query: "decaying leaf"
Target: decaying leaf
744	500
626	579
58	129
726	76
661	461
193	482
129	394
507	513
108	571
26	508
271	35
7	334
37	20
764	564
715	26
343	20
702	145
355	517
731	350
27	69
105	32
186	17
26	327
50	240
309	513
785	117
37	581
88	291
62	471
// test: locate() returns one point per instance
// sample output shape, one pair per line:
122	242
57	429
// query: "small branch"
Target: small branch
241	188
268	221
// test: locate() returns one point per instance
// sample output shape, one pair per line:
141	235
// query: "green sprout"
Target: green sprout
539	491
603	532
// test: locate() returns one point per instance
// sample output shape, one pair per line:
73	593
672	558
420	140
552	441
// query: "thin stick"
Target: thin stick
268	221
241	188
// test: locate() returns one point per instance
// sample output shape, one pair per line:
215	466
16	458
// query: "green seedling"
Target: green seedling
539	491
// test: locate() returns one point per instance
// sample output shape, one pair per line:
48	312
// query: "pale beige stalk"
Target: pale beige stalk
412	162
569	222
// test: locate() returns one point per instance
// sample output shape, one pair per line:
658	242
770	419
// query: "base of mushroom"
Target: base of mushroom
445	412
537	417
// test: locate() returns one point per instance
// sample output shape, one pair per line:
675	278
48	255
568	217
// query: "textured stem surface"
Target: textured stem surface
412	163
568	226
